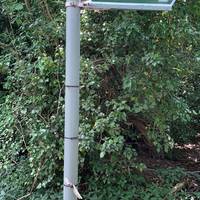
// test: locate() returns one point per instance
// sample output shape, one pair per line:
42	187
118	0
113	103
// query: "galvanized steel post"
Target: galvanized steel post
72	74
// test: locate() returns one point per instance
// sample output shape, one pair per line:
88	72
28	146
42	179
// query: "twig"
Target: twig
47	9
176	188
60	92
20	131
46	122
25	196
27	5
99	61
3	45
14	161
195	174
34	181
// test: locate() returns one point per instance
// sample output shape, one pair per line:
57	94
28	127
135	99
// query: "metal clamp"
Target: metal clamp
71	138
69	184
84	4
76	4
72	86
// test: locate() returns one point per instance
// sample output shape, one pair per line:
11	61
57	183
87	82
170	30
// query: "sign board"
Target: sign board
133	4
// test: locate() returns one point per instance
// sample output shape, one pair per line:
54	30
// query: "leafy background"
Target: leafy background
139	89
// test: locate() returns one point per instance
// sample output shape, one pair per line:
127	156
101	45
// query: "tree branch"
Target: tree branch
27	5
48	14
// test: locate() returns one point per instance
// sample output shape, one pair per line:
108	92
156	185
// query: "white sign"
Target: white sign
132	4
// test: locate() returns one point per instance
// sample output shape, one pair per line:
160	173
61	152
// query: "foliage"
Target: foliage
127	185
139	84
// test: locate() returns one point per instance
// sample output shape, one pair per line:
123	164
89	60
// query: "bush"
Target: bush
139	82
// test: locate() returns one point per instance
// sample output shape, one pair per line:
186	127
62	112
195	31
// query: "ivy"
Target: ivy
139	82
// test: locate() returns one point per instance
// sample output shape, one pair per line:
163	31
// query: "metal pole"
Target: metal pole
71	98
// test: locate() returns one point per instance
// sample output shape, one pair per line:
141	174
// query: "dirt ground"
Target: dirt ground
185	156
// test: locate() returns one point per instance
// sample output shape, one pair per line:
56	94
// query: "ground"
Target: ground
185	156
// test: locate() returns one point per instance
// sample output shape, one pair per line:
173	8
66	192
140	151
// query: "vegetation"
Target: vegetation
140	94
